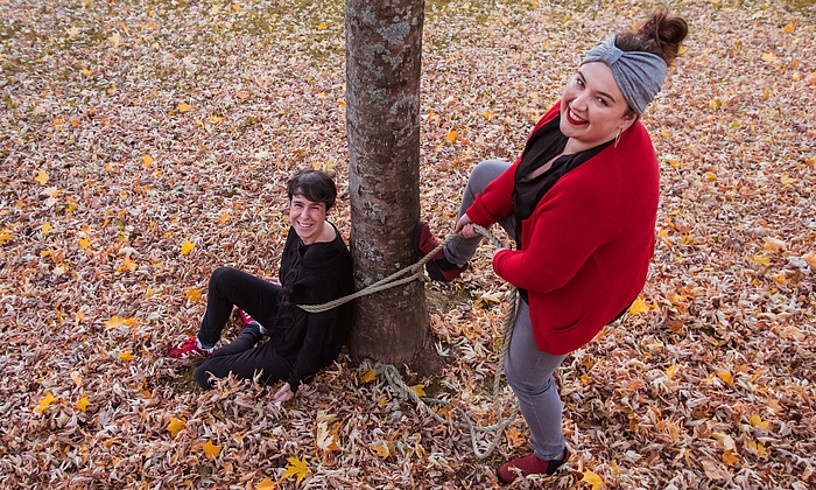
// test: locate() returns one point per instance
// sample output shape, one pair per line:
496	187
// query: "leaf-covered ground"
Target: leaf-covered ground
144	143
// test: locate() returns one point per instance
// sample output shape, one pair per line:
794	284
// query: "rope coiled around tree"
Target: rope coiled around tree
392	374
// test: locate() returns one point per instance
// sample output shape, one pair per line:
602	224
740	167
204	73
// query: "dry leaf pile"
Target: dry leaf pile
145	143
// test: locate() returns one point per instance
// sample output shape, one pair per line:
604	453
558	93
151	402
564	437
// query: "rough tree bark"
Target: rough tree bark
383	58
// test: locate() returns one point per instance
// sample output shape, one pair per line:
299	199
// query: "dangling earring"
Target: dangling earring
617	138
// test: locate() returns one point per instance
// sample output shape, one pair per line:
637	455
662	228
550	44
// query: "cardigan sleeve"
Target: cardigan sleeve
571	223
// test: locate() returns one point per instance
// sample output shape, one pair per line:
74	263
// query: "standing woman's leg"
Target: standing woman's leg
230	287
530	374
460	250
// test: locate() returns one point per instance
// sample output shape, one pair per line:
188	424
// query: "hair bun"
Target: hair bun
666	31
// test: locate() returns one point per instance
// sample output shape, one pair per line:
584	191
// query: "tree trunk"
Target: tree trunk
383	58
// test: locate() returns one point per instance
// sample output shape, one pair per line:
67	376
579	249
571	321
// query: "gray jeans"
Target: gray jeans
529	371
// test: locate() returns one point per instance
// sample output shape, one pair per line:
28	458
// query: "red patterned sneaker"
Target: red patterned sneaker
529	465
192	349
246	319
439	268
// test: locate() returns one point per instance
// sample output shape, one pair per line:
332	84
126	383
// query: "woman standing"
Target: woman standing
581	203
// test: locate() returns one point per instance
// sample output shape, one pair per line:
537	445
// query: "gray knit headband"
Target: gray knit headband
639	74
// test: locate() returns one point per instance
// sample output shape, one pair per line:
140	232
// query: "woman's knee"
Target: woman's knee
488	170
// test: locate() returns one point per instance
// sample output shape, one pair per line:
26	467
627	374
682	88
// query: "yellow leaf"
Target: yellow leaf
368	376
726	376
381	451
125	356
47	400
488	114
84	243
175	426
762	261
785	180
114	322
769	57
419	390
638	307
147	161
593	479
710	177
193	294
223	217
46	228
789	28
671	370
515	438
322	26
297	467
184	107
42	177
451	137
83	403
6	236
211	450
585	380
812	160
236	7
266	484
187	247
730	458
809	257
757	422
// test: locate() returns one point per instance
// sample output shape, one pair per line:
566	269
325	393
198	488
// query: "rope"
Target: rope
392	374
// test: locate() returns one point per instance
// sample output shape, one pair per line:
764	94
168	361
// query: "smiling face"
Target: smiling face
593	109
308	218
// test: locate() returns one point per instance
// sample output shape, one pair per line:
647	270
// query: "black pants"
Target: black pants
243	357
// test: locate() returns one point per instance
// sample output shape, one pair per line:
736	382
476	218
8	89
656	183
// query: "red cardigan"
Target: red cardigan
586	248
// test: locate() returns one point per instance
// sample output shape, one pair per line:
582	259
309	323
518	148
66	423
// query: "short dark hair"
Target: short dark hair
314	185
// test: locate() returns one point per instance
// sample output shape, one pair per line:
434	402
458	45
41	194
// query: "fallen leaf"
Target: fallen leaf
757	422
183	107
297	468
83	403
638	306
176	425
730	458
726	376
368	376
42	177
381	451
451	137
125	356
592	479
46	402
419	390
187	247
266	484
193	294
211	450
